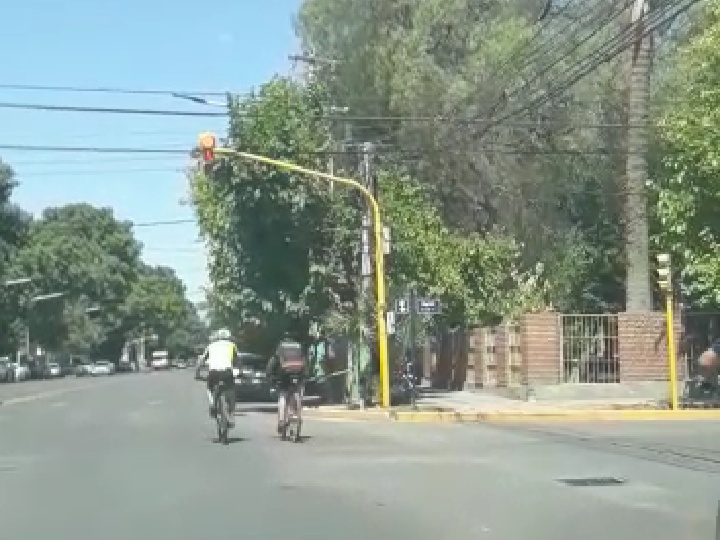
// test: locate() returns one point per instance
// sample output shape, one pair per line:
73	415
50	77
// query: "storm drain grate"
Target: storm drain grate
593	481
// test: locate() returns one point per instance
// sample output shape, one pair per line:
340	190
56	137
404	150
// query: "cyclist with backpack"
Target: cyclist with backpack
288	370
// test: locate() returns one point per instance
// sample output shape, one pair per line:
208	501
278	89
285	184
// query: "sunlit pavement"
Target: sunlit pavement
136	459
11	392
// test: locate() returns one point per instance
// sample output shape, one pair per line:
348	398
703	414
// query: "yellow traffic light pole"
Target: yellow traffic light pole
672	359
666	285
207	144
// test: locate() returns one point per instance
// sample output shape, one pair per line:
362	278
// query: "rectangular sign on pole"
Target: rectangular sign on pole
428	306
402	306
390	322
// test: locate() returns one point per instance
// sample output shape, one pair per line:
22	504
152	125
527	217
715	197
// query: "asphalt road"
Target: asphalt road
133	457
25	389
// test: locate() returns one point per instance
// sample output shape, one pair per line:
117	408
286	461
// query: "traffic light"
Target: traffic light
664	273
207	143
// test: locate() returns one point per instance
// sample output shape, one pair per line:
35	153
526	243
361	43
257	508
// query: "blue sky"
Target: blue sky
180	45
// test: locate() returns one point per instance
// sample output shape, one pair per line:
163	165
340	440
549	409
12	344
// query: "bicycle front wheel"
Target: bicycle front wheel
222	419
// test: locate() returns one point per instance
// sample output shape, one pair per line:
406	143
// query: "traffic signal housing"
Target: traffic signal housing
664	273
207	142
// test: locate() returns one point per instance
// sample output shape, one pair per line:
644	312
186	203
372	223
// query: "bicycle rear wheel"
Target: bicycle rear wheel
221	417
297	416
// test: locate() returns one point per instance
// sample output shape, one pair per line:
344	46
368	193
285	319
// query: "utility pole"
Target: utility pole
366	356
411	329
637	286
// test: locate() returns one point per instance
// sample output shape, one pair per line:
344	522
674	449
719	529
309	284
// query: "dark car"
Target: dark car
6	370
251	380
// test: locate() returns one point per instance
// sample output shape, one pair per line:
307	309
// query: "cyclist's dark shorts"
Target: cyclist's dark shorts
215	376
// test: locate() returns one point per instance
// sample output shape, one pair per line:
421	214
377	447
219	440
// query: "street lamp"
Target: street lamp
200	100
207	144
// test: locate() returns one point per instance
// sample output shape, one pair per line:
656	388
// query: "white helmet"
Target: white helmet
223	333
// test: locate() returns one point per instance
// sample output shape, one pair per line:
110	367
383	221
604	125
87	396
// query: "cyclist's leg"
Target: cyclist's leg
299	400
230	395
211	384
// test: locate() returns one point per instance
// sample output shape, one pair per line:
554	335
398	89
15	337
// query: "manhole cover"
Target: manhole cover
593	481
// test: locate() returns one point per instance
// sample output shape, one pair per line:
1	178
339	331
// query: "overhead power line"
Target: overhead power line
607	20
109	90
95	149
163	223
168	112
111	110
601	55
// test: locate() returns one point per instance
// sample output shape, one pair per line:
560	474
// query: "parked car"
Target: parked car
160	360
66	369
124	366
179	363
6	370
102	367
250	378
83	369
20	371
53	370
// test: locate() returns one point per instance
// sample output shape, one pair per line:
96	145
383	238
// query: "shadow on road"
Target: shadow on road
231	440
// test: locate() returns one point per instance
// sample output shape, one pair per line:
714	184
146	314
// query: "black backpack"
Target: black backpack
292	360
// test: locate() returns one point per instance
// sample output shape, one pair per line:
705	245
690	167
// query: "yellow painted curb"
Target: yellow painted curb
609	415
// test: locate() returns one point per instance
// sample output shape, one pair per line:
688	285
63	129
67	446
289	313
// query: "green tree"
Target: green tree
266	228
14	225
185	340
685	183
91	257
157	303
466	59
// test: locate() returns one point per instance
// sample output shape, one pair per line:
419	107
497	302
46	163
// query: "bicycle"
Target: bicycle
290	430
222	410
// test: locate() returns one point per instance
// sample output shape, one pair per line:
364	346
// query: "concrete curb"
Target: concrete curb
610	415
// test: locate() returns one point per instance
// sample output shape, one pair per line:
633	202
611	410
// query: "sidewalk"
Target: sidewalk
461	406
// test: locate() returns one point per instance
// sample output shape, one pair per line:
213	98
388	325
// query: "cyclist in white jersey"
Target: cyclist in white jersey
220	356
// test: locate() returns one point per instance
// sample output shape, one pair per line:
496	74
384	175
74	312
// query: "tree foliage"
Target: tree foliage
107	294
685	184
266	228
550	177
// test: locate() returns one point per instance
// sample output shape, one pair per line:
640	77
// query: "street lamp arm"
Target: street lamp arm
380	302
280	164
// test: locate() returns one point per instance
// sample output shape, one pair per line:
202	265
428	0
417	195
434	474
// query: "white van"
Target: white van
160	360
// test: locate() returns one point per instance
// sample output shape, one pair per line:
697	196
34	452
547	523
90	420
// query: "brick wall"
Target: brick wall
540	345
642	347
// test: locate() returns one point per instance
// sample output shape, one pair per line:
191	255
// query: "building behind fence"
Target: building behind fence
542	349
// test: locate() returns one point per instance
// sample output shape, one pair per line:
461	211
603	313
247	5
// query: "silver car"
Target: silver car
102	367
